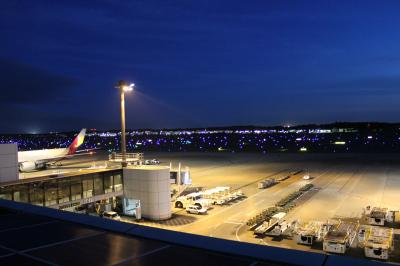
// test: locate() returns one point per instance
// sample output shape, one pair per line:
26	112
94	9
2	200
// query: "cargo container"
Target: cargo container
376	215
270	224
340	237
378	242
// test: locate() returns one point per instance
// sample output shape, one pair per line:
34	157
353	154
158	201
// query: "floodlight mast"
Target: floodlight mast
123	87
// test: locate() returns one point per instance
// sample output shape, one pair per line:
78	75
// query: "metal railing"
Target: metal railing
130	157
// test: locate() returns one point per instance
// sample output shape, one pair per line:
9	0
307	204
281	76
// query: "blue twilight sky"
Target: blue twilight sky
197	63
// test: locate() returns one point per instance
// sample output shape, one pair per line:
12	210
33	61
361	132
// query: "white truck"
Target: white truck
194	198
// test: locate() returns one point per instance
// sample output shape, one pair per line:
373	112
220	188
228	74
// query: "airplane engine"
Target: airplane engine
30	166
27	166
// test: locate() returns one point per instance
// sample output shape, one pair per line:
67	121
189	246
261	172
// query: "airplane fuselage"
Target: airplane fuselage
40	155
39	159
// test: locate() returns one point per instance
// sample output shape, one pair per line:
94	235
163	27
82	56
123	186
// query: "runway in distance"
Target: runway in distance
40	159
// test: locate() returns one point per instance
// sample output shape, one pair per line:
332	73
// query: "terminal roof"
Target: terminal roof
58	176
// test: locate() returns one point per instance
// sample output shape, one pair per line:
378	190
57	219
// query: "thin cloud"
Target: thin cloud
21	83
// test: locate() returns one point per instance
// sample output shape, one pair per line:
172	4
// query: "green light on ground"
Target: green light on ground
340	142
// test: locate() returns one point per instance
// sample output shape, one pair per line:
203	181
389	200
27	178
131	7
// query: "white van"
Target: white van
111	215
195	209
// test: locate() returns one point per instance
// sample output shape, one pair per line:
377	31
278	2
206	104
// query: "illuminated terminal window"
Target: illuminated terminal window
21	193
5	193
76	188
51	192
108	183
87	186
36	193
98	185
64	193
118	182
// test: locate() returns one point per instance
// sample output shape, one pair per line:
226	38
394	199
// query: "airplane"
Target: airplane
40	159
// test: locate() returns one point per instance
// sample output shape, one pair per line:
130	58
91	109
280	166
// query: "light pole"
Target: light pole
123	87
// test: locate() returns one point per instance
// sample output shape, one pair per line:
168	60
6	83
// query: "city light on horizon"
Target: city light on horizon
263	79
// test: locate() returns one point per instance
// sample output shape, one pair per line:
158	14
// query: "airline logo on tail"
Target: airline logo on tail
77	142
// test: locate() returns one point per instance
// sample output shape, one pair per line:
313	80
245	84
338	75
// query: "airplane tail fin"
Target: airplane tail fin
77	142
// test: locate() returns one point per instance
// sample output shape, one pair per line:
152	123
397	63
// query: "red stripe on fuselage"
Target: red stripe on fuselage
74	146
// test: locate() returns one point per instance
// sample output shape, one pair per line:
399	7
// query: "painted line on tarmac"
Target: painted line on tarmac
229	207
222	210
237	232
232	222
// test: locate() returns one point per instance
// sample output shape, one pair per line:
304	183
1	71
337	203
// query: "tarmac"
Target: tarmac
343	185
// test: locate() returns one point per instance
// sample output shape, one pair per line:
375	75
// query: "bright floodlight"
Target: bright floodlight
128	88
124	86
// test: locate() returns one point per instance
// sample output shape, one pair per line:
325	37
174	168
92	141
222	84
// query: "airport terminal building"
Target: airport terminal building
139	191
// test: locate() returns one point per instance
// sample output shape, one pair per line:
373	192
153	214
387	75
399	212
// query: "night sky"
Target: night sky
197	63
